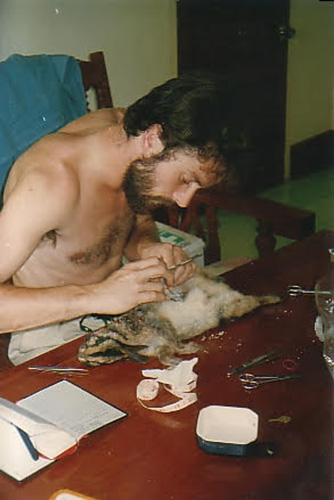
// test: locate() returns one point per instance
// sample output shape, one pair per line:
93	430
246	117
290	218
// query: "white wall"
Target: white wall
138	37
139	40
310	84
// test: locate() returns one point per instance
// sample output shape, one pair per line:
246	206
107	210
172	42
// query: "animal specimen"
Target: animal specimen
163	329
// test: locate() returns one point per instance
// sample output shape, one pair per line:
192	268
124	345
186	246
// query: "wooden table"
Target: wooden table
155	456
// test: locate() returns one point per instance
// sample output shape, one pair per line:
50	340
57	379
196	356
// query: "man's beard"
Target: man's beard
138	185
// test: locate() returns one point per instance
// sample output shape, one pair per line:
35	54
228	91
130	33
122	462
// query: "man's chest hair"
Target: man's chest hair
94	245
110	243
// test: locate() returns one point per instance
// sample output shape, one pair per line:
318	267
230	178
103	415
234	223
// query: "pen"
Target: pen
28	443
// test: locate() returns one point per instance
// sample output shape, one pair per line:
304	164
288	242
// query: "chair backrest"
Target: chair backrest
273	218
94	76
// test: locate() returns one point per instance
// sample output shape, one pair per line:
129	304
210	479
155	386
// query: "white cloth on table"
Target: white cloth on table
26	345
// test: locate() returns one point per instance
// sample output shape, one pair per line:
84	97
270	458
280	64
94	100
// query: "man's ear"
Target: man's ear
152	144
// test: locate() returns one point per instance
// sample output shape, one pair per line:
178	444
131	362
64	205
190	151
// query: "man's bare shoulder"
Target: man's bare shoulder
55	154
89	123
55	159
43	166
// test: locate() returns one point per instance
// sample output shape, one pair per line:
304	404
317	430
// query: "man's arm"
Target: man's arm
39	202
31	210
133	284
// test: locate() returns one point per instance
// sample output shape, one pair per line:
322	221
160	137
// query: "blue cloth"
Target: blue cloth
38	95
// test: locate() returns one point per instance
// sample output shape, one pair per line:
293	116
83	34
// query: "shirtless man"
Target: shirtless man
78	200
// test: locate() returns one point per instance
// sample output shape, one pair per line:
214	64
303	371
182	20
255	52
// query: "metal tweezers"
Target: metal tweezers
295	290
264	358
184	262
60	370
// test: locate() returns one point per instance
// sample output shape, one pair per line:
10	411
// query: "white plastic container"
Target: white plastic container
226	430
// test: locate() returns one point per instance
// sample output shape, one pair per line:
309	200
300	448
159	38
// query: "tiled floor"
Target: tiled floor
314	192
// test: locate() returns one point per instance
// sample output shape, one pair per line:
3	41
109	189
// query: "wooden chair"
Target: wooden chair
273	219
94	76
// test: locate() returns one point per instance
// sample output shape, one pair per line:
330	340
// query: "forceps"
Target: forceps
295	290
250	381
60	370
184	262
264	358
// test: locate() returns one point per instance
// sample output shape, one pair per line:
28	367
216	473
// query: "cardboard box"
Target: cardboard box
192	245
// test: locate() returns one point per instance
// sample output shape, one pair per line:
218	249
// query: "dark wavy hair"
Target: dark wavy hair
193	112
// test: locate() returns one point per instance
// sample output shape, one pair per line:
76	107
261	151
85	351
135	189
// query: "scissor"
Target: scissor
250	381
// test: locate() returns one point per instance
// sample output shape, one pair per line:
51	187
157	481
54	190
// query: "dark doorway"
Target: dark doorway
245	42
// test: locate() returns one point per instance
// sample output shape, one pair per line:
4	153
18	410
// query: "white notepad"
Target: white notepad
54	419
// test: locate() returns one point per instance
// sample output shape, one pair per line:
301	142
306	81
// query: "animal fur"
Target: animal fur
161	329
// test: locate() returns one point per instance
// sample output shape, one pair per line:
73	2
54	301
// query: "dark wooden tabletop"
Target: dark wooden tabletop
155	456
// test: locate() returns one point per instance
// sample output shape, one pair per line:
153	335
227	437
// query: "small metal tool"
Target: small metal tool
250	381
295	290
175	295
283	419
265	358
184	262
60	370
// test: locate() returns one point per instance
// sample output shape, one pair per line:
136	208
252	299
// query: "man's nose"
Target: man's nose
183	197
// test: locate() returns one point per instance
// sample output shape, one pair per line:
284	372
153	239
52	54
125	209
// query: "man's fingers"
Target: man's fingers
152	269
144	264
151	296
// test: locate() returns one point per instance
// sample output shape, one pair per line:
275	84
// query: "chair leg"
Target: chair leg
265	240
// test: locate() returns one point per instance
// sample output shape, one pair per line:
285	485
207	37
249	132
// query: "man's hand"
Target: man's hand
133	284
172	255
